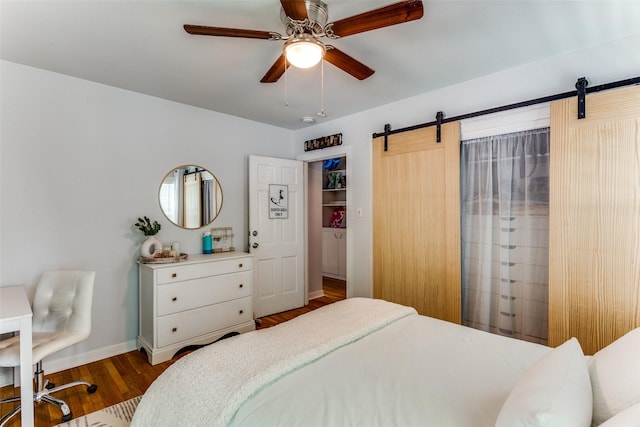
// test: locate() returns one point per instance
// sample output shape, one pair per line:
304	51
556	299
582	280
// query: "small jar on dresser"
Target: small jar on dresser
193	302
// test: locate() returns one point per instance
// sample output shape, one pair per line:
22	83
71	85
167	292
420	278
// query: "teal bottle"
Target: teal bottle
207	243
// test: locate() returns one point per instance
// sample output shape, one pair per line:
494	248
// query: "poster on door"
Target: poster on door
278	201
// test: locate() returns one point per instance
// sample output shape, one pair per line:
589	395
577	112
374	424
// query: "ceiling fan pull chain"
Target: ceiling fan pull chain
321	113
286	91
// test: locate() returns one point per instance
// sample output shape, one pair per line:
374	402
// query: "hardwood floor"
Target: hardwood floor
334	290
129	375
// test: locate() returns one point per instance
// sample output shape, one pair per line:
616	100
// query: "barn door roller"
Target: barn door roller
581	85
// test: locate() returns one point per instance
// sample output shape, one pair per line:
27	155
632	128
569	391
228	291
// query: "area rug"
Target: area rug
118	415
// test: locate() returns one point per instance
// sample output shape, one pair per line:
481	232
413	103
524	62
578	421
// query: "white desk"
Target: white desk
16	315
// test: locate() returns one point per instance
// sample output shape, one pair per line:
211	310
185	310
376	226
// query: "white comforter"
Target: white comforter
360	362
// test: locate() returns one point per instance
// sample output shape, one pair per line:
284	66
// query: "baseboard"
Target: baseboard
56	365
316	294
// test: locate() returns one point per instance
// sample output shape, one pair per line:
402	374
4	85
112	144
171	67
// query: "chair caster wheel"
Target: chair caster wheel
67	417
92	388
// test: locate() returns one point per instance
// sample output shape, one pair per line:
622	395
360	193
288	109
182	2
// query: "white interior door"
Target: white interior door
276	234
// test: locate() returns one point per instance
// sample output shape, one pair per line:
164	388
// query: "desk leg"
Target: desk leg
26	374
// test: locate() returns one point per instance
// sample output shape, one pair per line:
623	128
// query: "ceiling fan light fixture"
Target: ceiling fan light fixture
304	51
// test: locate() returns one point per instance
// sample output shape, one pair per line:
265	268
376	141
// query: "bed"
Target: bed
368	362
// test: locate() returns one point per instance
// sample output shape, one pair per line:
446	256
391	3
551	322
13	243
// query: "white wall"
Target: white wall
80	161
600	64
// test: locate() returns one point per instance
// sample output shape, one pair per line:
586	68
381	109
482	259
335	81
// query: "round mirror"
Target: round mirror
190	196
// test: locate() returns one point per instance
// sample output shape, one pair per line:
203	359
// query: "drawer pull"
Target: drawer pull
174	299
174	275
240	265
241	286
174	329
241	311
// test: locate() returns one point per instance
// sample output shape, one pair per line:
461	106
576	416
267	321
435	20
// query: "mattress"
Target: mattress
418	371
403	370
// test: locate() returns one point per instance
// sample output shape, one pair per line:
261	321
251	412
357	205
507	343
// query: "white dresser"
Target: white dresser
193	302
519	248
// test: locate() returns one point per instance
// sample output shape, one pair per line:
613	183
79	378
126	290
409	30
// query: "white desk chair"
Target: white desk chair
61	318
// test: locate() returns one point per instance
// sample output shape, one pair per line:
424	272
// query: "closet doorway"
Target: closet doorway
327	233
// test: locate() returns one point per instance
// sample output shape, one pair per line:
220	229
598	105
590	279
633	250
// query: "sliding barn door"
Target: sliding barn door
594	219
416	221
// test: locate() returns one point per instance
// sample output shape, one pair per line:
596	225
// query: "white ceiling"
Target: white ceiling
141	46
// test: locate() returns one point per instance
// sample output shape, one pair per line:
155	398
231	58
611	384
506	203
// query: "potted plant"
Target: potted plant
151	246
145	225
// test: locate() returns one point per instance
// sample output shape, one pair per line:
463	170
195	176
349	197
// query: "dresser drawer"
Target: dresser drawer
178	273
180	296
511	253
507	271
506	235
190	324
530	222
526	222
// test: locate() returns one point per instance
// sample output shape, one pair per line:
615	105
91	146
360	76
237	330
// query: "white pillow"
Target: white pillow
629	417
615	376
555	391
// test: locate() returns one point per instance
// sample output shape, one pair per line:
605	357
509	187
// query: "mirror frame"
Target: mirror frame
197	168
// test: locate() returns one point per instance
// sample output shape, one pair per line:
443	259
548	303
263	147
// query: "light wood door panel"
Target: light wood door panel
416	221
594	219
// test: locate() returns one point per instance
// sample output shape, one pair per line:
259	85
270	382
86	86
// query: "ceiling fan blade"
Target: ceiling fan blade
230	32
348	64
276	71
295	9
393	14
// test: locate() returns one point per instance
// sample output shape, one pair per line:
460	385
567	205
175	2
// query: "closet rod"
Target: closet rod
606	86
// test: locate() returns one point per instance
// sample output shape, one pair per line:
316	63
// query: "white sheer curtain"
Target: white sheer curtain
170	195
192	201
505	203
208	201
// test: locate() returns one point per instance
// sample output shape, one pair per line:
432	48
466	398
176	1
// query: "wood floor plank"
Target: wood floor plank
128	375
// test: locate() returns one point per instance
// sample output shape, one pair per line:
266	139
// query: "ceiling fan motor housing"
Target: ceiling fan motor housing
318	15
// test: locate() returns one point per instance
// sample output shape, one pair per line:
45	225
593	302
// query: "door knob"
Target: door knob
255	245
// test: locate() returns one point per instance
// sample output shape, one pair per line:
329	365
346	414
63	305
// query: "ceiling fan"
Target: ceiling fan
306	22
